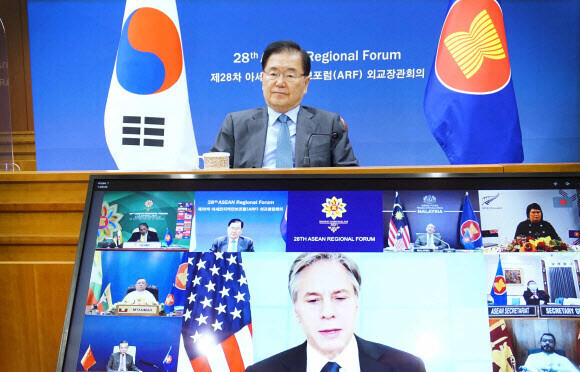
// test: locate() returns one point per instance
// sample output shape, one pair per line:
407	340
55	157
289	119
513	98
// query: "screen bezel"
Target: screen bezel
297	182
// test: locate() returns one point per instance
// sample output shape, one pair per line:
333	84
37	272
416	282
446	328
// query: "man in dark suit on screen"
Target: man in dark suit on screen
324	288
277	136
429	239
234	241
122	361
144	234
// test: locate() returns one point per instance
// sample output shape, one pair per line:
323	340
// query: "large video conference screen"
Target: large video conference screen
399	272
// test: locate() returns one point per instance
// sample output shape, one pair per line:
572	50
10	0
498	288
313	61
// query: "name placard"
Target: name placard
144	245
559	311
141	310
512	311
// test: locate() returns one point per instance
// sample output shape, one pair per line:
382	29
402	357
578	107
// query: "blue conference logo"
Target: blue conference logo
150	58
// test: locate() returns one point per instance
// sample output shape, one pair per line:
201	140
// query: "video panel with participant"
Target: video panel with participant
147	219
241	309
534	310
531	220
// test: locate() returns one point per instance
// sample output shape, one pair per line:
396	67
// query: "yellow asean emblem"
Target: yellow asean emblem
334	207
470	48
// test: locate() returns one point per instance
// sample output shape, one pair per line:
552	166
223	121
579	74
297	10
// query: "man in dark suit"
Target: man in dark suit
144	235
122	361
324	289
234	241
430	238
533	295
277	136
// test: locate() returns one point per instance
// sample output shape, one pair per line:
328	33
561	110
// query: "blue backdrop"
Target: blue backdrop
152	337
123	268
73	45
215	209
442	208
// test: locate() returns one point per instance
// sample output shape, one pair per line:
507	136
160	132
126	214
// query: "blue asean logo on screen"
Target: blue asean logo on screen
150	58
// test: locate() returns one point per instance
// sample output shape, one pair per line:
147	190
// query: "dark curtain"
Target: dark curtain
561	283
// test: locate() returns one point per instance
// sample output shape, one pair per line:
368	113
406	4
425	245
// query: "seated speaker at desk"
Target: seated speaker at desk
429	239
141	293
144	234
123	358
143	237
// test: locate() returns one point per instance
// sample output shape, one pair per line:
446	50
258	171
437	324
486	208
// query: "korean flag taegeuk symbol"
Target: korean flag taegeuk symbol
148	122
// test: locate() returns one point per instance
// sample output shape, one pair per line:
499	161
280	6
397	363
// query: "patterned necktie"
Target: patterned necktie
330	367
284	145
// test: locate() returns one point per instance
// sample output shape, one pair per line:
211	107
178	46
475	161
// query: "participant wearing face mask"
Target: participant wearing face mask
533	295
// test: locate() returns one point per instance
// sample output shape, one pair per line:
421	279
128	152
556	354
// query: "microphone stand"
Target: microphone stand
334	135
449	249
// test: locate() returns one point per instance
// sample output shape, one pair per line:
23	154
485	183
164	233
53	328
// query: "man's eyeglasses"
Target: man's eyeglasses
289	76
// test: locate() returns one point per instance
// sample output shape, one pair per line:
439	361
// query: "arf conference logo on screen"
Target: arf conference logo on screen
333	208
472	55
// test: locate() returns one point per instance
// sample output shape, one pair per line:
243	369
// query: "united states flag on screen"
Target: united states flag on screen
399	227
216	334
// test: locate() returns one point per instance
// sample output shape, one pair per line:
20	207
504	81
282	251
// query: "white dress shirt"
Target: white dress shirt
272	135
552	362
347	360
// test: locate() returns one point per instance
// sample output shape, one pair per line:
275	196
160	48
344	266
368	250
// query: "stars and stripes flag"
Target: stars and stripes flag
399	236
216	334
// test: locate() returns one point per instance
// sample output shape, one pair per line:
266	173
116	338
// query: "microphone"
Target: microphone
334	135
442	241
148	364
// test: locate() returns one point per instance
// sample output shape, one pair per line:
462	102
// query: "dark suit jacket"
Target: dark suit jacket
115	358
422	240
243	135
542	295
151	237
221	244
373	357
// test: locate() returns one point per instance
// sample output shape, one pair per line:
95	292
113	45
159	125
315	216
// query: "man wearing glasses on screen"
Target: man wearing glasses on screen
324	288
285	134
233	241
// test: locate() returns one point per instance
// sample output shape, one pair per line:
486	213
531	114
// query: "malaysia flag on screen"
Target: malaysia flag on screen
216	334
470	103
399	228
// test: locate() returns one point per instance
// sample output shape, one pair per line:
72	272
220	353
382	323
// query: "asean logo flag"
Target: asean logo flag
469	228
148	122
499	287
470	103
176	297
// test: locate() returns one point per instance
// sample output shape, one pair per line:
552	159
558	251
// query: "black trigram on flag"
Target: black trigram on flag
147	132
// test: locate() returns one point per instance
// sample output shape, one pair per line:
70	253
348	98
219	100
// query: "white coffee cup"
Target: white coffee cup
216	160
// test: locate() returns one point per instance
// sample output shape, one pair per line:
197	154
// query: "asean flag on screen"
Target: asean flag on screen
470	103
